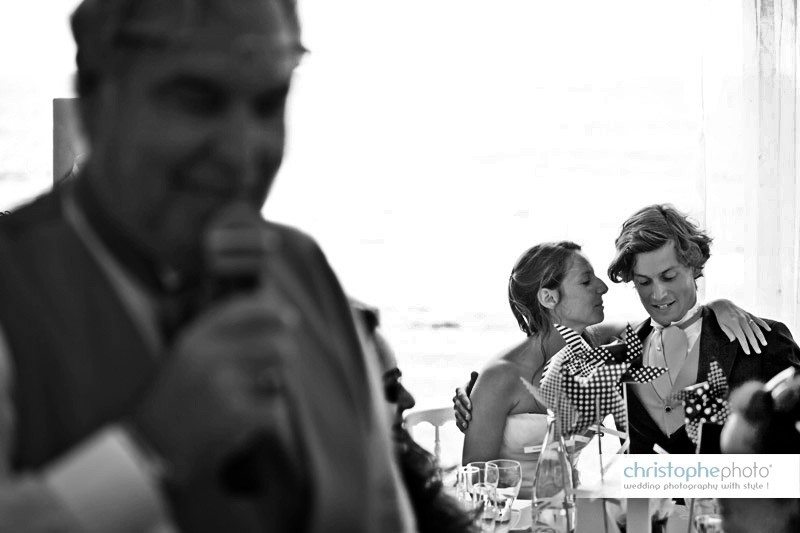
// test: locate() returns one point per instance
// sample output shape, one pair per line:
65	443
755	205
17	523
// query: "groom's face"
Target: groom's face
666	287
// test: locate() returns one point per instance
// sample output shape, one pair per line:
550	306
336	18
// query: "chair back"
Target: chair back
437	417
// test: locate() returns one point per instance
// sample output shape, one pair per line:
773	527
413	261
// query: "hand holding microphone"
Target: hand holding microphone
220	391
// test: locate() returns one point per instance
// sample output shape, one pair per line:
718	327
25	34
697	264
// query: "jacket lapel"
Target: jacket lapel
714	345
643	330
639	419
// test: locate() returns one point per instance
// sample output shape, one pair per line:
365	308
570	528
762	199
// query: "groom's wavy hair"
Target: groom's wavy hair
542	267
651	228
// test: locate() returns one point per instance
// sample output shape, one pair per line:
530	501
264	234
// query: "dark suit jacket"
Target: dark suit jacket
81	363
780	352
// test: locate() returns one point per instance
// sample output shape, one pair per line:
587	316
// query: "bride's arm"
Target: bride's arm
606	332
493	399
737	323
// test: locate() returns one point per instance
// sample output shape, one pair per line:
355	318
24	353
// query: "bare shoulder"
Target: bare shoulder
500	371
498	390
524	360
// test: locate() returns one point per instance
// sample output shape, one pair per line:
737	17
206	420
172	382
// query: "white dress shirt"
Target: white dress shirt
668	413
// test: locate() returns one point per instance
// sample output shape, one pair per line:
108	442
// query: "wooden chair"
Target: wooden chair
437	418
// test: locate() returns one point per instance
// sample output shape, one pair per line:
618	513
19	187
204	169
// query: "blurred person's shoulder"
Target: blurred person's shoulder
295	240
41	213
303	255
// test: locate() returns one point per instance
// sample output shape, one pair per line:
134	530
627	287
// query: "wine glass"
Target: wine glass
489	473
509	481
708	523
706	515
485	497
468	477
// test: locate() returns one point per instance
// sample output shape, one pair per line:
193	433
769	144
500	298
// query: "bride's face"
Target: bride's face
581	296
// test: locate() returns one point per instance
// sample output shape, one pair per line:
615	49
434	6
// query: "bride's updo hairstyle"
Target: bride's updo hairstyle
541	267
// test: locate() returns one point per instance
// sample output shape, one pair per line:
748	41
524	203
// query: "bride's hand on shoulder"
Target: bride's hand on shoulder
738	324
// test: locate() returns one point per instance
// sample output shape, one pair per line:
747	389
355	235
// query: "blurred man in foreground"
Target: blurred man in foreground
169	360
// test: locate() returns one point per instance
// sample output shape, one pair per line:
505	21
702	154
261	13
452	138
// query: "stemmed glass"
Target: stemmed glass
484	494
706	515
509	481
468	477
485	506
488	472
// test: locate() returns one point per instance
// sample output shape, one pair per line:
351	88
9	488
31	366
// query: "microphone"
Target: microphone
235	255
238	246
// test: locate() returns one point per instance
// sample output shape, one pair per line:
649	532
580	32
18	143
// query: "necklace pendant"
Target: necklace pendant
667	409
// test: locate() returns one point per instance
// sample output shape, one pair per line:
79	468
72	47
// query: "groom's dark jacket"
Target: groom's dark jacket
780	352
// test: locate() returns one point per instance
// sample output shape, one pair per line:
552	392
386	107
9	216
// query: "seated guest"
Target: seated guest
435	510
762	421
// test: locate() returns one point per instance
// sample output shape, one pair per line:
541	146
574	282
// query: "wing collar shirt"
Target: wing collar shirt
655	396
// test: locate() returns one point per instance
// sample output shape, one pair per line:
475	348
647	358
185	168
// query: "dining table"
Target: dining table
591	512
600	505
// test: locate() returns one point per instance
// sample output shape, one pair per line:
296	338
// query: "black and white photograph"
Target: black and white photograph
399	266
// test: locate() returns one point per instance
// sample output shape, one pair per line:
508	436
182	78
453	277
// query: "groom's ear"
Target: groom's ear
548	297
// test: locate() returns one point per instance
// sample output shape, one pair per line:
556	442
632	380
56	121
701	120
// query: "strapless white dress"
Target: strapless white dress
525	430
521	431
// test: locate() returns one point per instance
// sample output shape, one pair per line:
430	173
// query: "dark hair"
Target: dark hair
435	510
651	228
105	30
541	267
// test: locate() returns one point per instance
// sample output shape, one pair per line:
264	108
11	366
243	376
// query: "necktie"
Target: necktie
673	345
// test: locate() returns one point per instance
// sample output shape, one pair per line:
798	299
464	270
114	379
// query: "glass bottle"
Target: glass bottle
553	505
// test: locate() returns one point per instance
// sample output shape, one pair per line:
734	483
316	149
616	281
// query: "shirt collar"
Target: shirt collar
138	299
690	314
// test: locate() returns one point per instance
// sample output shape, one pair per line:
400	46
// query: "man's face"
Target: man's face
184	131
666	287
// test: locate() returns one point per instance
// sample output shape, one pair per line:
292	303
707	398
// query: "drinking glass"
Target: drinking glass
486	502
708	523
706	514
489	473
508	483
468	476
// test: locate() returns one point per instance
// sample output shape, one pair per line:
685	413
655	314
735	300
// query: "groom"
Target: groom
664	253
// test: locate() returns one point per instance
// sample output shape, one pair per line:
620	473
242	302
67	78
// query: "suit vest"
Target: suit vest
80	364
